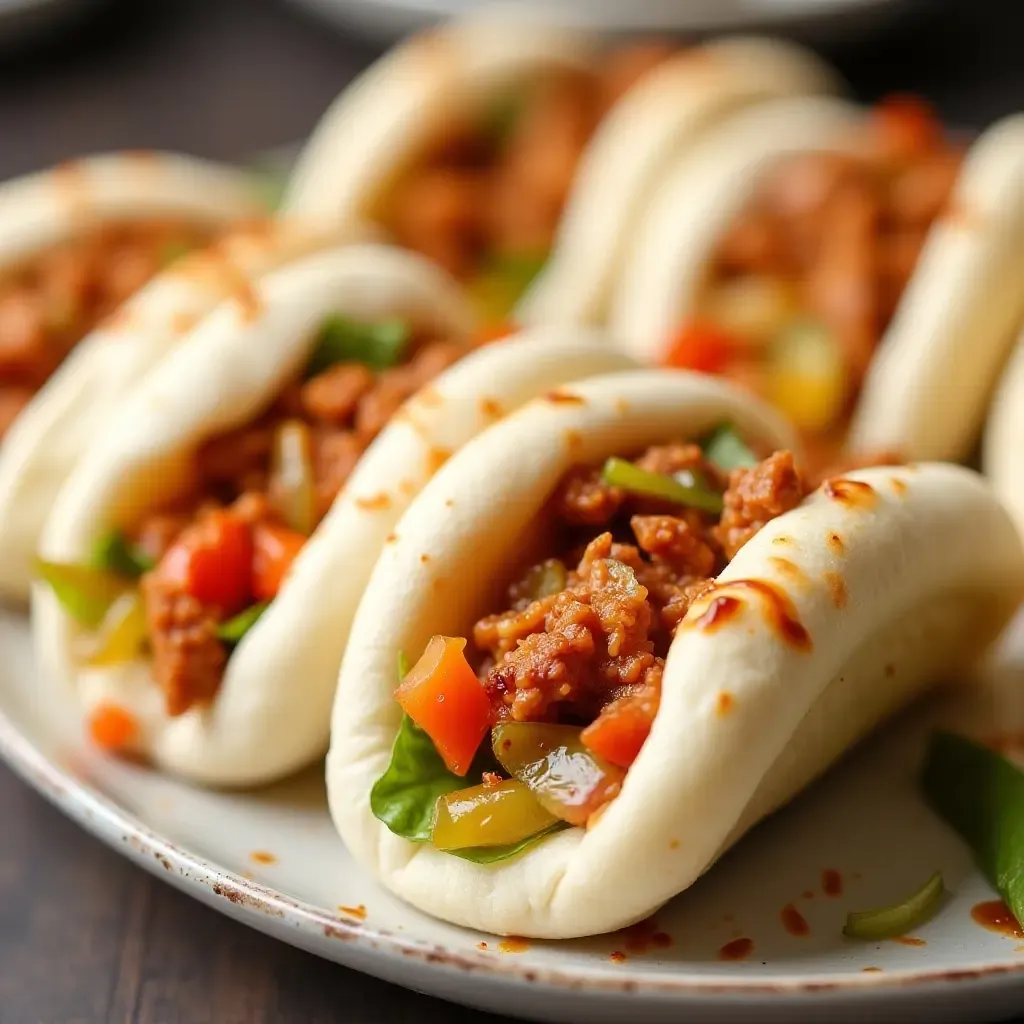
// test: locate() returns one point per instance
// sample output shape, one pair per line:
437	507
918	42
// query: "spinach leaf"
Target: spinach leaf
378	345
726	449
232	631
405	796
981	795
113	553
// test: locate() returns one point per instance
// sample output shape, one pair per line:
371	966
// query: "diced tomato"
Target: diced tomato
908	126
212	559
443	696
274	550
618	733
112	728
702	347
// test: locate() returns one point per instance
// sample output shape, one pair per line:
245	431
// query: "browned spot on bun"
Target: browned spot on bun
429	395
449	503
899	487
717	612
391	538
835	542
407	487
490	408
562	397
375	502
573	440
725	703
621	406
424	558
674	845
720	603
837	589
782	540
437	457
890	670
788	569
852	493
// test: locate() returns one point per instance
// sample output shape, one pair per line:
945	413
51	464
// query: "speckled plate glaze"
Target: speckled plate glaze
759	938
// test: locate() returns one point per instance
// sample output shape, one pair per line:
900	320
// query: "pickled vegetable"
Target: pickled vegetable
489	815
898	919
807	377
443	696
292	480
753	308
85	593
686	488
569	780
543	580
502	282
232	631
379	345
122	634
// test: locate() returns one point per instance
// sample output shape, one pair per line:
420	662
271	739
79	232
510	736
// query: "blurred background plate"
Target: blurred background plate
24	19
805	18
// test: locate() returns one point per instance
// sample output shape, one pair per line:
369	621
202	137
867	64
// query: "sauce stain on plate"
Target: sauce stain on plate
644	936
832	883
358	912
909	940
738	949
262	857
793	921
513	944
996	916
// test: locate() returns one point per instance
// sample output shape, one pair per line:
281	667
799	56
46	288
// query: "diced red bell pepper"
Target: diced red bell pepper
212	560
618	733
443	696
702	347
908	126
274	550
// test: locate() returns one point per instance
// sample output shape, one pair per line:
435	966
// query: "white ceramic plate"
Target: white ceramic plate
387	18
272	860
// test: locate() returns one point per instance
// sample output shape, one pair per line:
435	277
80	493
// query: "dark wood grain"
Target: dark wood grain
85	936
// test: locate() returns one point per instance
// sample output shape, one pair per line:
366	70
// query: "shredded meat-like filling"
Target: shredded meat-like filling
339	412
497	188
597	645
50	303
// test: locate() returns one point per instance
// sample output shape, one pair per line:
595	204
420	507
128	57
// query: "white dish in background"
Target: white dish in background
273	861
385	19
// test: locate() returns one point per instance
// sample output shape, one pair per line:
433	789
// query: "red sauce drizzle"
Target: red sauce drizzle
909	940
738	949
617	957
832	882
996	916
780	610
793	921
850	492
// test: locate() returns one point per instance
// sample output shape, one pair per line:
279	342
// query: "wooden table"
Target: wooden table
84	936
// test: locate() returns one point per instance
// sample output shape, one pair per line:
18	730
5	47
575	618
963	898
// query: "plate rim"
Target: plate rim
270	911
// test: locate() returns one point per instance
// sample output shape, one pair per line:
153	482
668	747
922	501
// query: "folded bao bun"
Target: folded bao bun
406	100
898	576
62	421
653	123
271	713
1003	444
925	389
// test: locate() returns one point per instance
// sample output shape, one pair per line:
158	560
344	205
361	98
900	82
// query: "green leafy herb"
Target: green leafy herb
404	797
981	795
899	918
726	449
694	492
232	631
492	854
378	345
114	554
